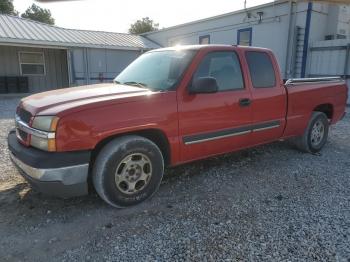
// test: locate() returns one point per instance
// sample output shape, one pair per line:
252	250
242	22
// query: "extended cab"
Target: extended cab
170	106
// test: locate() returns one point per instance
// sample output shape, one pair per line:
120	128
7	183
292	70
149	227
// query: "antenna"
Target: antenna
245	9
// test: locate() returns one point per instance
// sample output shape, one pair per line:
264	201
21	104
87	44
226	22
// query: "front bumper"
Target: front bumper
53	173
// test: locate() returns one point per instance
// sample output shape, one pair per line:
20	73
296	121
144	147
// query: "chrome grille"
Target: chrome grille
24	115
22	135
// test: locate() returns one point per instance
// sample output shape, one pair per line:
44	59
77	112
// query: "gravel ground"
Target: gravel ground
7	113
269	203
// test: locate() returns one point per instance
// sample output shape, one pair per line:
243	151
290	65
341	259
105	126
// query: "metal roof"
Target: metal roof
18	30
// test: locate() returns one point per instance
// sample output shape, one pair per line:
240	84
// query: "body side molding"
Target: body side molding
195	139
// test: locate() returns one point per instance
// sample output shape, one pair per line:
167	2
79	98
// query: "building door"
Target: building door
98	65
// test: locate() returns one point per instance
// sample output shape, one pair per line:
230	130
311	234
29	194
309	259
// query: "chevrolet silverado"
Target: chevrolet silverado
168	107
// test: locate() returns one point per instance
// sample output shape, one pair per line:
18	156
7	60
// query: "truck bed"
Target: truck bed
305	94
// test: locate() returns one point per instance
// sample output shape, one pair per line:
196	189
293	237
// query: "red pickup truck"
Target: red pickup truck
168	107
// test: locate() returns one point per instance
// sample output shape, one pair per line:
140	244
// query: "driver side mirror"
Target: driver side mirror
204	85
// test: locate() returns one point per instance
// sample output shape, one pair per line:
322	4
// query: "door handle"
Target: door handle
244	102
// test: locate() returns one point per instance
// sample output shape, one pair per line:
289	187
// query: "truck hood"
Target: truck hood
53	102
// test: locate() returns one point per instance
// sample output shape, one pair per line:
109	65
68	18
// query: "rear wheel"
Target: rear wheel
127	171
315	135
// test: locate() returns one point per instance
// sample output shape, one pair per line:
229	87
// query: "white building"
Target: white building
36	57
289	28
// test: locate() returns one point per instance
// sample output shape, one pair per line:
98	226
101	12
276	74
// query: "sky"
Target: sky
117	15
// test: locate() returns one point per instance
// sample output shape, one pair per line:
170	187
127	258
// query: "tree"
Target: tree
6	7
143	26
39	14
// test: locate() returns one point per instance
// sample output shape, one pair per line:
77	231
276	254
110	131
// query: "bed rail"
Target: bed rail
296	81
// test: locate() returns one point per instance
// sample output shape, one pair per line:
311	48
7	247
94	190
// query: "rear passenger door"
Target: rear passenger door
215	123
269	101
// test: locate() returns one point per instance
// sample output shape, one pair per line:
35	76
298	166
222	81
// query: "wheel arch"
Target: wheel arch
157	136
327	109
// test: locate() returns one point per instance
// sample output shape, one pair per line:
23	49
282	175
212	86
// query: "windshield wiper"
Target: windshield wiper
132	83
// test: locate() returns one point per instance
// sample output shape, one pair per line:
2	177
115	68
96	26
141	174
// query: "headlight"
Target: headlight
45	123
49	125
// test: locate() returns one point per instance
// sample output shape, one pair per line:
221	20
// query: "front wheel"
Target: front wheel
127	171
315	135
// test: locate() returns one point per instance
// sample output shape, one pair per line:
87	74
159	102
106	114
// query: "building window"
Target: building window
32	63
244	37
204	40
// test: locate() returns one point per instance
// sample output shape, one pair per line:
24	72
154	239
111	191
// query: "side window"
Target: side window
261	69
224	67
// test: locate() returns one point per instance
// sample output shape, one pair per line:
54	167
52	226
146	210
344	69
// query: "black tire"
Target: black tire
111	157
305	143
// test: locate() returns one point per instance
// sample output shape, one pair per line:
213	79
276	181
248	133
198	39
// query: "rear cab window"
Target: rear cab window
261	69
225	67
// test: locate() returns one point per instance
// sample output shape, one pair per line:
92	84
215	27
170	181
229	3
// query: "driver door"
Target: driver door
215	123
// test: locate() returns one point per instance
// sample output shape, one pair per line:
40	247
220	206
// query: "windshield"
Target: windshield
160	70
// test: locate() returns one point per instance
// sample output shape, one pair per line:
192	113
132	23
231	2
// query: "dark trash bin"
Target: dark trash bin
23	84
3	89
12	84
